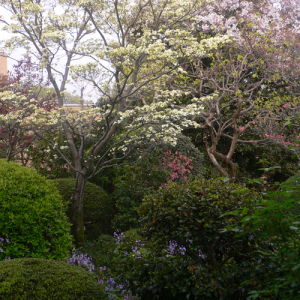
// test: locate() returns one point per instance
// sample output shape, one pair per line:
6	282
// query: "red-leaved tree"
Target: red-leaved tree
19	97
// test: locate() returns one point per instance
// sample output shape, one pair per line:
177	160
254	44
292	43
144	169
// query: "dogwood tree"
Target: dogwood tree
133	47
252	75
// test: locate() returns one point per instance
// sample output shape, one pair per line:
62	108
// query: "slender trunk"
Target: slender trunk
77	228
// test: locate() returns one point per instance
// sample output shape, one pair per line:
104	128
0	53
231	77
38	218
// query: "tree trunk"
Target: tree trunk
77	228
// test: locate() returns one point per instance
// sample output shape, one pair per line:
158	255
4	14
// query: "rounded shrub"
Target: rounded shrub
98	209
192	252
32	215
37	279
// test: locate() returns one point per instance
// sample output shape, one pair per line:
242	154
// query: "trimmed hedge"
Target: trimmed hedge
98	208
32	215
37	279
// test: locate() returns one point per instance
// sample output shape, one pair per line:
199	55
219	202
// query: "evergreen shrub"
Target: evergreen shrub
32	215
133	182
290	189
98	208
190	254
38	279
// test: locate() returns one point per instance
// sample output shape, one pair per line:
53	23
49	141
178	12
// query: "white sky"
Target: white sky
17	54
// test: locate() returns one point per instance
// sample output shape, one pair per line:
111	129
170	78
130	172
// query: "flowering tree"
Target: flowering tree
247	74
139	45
18	101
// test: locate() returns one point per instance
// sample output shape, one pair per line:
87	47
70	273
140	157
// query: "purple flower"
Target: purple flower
118	236
111	281
201	255
182	250
171	247
82	260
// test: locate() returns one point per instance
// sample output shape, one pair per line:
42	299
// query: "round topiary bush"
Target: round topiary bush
191	252
32	215
37	279
98	208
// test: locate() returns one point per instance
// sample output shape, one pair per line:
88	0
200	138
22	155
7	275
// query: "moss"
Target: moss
98	208
32	215
37	279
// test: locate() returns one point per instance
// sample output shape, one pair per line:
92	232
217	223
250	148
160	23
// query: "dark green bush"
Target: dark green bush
190	254
277	225
101	250
32	215
37	279
98	208
133	182
292	189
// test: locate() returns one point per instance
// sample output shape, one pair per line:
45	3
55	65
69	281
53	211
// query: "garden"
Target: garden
182	181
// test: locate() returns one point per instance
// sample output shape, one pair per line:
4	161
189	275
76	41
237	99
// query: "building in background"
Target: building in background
3	64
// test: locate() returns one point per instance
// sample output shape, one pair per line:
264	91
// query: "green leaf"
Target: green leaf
244	211
296	267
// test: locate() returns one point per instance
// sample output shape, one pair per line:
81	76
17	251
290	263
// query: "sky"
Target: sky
17	54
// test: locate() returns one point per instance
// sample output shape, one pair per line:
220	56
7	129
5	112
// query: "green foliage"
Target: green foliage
248	157
46	160
37	279
32	215
101	250
281	229
291	187
133	182
98	208
189	254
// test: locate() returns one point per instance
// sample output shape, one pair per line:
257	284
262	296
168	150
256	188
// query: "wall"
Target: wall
3	64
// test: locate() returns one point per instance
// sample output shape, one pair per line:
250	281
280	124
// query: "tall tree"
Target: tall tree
19	97
135	44
247	74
